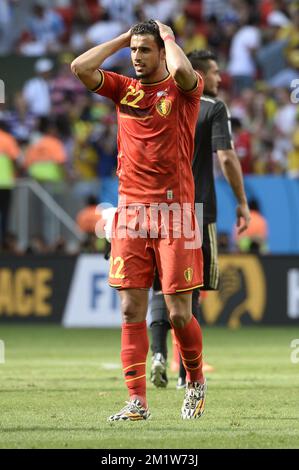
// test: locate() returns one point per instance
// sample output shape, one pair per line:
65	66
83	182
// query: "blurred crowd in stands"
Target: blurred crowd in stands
54	131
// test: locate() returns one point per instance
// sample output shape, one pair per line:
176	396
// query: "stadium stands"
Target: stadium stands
259	87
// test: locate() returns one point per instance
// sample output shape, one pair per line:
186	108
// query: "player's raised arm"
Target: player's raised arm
86	66
178	64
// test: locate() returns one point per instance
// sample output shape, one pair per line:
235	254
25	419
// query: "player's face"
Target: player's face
146	55
212	79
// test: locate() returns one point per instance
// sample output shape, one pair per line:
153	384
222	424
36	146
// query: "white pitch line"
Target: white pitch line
110	365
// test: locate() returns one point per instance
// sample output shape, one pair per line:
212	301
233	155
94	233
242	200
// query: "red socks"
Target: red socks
135	346
134	349
189	339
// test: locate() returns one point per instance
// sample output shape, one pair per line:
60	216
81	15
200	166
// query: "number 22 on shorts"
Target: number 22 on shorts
116	266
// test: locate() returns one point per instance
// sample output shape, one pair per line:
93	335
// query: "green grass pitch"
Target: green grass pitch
58	386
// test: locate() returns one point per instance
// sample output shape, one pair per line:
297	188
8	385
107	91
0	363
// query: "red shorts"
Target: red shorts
139	247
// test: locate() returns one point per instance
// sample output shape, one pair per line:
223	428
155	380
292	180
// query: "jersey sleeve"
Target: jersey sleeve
112	85
196	92
221	128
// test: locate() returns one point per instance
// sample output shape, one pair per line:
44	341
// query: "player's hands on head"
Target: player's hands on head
126	38
243	217
164	30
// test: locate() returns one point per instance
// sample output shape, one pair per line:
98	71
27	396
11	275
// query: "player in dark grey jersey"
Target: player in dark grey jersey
213	135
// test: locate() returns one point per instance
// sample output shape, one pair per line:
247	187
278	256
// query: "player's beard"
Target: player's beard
141	75
146	74
211	92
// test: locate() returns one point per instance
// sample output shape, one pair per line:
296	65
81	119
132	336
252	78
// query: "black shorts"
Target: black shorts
210	260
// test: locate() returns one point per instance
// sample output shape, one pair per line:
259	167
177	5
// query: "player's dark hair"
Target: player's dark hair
200	59
148	27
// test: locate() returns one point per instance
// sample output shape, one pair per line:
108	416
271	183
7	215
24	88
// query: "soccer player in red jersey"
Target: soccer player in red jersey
157	113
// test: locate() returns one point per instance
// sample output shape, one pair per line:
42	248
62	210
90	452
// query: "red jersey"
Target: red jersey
156	126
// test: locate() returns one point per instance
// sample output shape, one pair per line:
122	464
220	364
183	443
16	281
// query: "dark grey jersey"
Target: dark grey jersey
213	132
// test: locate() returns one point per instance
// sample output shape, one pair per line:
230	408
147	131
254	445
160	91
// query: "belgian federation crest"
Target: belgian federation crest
164	107
188	273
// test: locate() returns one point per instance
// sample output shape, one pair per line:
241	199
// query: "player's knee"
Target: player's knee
178	318
130	310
